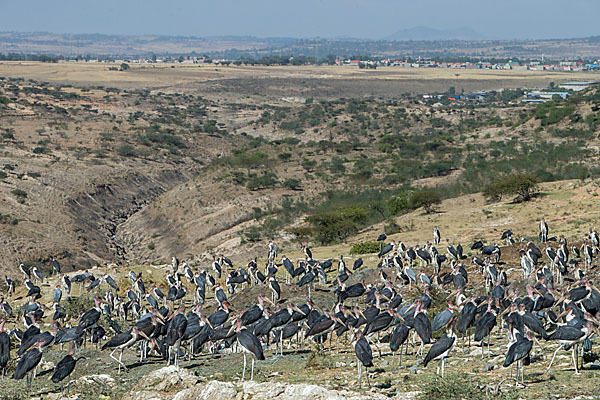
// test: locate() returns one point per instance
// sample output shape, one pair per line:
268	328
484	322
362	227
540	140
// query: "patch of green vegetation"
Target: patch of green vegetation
521	185
365	248
19	193
265	180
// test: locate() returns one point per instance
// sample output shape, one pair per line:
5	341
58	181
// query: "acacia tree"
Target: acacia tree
520	185
426	198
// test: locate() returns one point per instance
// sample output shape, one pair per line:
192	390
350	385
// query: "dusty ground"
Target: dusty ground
287	81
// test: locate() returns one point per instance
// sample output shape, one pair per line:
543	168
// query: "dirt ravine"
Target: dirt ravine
101	210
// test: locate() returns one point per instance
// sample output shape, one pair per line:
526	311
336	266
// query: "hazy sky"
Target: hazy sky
303	18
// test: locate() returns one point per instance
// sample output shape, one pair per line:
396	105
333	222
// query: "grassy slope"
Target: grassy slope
569	207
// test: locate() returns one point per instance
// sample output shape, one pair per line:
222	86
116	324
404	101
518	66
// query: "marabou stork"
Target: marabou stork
441	349
519	352
29	361
4	346
63	369
249	343
122	341
364	354
275	289
571	337
436	235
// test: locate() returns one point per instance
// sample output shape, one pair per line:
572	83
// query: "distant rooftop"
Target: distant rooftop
579	83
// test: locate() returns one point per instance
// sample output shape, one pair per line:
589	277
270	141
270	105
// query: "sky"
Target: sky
369	19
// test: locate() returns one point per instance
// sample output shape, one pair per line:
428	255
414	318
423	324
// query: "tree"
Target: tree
521	185
426	198
398	204
334	226
291	183
264	181
309	165
124	66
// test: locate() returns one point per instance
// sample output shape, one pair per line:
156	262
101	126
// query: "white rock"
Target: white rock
101	379
168	379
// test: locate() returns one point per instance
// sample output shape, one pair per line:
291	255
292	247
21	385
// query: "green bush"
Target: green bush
309	165
426	198
266	180
365	248
126	150
252	234
521	185
291	183
19	193
334	226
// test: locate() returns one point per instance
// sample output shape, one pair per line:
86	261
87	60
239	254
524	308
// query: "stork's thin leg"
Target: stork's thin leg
244	370
252	375
359	374
443	362
552	360
574	362
117	360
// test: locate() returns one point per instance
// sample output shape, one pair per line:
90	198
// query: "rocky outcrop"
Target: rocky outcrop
173	383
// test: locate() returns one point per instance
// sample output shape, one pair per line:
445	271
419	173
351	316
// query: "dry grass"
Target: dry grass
186	76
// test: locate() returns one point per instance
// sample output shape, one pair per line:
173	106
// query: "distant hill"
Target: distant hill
426	33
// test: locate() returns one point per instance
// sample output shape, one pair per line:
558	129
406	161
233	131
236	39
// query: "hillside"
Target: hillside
194	161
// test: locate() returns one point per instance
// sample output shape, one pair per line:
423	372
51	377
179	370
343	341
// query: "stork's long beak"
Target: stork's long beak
267	299
209	324
412	306
452	294
160	317
361	314
142	334
562	314
231	329
339	321
399	316
299	310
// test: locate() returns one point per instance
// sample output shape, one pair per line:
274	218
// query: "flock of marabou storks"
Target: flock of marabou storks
555	301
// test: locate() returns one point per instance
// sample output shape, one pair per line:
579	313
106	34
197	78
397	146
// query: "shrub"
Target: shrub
264	181
291	183
3	175
19	193
284	156
398	204
309	165
334	226
252	234
521	185
426	198
126	150
365	248
151	246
